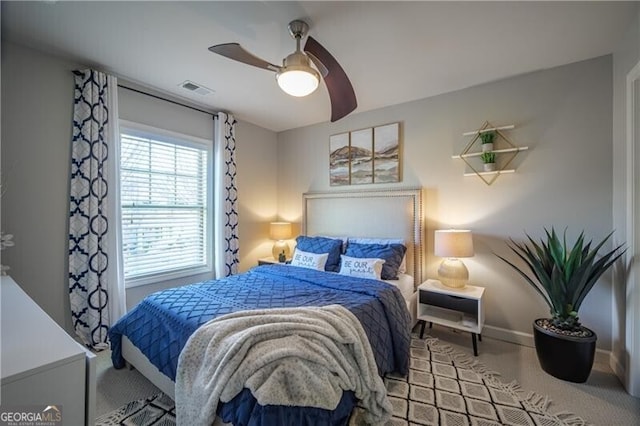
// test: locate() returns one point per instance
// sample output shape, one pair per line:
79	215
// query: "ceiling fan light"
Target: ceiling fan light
298	82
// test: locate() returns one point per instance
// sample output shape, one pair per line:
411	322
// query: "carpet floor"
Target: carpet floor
444	387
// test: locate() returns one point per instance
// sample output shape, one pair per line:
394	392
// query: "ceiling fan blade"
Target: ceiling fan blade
237	53
341	94
321	68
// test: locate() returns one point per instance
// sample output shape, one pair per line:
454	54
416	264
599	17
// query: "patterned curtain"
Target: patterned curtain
226	197
96	279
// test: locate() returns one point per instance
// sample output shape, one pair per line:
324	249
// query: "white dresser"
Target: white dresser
40	364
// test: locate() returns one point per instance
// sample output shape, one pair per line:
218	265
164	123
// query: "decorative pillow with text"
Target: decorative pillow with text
361	267
309	260
392	254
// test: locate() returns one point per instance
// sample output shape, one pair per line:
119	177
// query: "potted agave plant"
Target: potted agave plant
563	277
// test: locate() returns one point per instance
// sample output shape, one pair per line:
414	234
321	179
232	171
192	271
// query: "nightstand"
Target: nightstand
269	261
459	308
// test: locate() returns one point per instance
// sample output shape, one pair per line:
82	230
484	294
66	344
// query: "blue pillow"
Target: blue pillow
391	253
321	245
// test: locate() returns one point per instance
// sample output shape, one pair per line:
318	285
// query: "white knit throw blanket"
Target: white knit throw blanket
294	356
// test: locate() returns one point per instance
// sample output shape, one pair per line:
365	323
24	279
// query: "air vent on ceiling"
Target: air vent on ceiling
195	88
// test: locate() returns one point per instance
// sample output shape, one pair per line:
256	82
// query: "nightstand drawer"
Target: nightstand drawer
446	301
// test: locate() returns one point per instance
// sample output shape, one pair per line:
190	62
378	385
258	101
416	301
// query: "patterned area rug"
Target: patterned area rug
444	387
157	410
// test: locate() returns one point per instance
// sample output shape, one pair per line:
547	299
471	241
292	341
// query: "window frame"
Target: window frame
181	139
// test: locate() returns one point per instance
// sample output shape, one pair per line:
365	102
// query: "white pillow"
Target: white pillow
309	260
362	267
358	240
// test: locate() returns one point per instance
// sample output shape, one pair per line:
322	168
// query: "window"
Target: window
166	204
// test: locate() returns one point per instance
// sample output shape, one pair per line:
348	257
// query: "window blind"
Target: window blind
164	206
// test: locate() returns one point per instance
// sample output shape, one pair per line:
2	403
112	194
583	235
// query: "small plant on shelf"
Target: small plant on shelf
489	160
487	140
487	137
488	157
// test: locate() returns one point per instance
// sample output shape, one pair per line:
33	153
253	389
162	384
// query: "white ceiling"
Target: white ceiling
393	51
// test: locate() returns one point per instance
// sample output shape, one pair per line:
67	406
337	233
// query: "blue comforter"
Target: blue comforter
161	324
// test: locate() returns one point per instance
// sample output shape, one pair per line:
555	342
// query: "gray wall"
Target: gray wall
37	109
564	116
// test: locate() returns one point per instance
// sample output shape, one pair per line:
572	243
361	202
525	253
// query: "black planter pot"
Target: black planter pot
565	357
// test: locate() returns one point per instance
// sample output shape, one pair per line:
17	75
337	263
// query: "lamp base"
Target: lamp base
279	247
453	273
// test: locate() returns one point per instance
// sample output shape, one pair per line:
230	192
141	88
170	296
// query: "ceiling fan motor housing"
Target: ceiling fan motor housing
297	60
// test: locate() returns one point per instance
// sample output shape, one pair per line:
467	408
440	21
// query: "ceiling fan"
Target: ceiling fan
296	76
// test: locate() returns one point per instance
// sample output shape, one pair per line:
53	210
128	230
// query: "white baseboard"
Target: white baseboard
526	339
511	336
603	357
618	369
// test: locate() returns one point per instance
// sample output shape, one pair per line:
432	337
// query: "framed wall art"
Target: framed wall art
339	169
361	155
365	156
386	153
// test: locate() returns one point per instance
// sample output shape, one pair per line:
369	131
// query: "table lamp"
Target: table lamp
280	231
452	244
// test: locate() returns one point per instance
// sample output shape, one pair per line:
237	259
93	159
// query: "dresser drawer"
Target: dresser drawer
446	301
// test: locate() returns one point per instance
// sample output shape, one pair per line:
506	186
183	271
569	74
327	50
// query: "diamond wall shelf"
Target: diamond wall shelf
506	150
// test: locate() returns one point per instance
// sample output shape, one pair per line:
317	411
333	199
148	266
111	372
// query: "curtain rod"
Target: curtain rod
168	100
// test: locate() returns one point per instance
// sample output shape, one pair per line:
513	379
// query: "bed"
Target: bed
389	214
375	214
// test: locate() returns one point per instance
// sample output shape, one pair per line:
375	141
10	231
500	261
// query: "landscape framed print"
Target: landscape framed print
386	153
361	154
365	156
339	171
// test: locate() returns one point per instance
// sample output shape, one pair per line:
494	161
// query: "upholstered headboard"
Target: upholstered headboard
395	213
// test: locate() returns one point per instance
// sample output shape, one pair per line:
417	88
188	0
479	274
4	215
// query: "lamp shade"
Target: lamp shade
280	230
453	243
